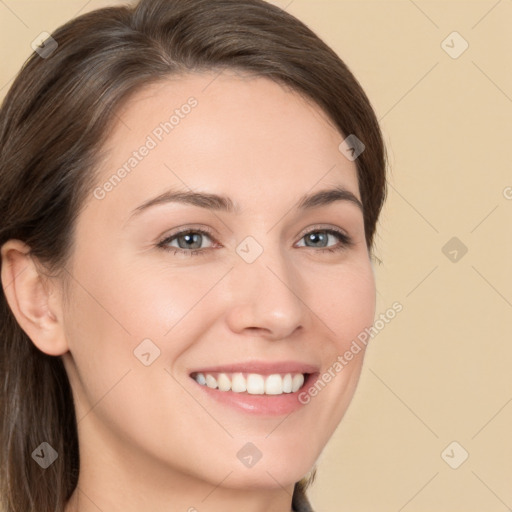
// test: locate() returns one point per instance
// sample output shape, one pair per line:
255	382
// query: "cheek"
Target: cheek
344	299
119	313
111	312
142	299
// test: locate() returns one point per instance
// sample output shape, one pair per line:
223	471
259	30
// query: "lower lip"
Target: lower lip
267	405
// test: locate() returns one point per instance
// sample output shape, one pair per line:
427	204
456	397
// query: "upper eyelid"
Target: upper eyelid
321	227
185	231
311	229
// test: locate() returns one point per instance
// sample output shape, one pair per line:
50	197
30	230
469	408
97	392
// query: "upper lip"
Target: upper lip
262	367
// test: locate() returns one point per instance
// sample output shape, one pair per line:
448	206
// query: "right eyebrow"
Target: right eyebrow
201	199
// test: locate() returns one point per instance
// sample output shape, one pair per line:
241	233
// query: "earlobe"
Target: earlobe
32	299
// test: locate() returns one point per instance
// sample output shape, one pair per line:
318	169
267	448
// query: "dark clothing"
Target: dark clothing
300	502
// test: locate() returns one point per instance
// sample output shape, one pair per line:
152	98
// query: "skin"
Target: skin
149	437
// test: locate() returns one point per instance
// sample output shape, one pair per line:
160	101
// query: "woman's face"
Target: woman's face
262	278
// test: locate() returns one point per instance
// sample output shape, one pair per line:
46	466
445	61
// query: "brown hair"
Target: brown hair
53	122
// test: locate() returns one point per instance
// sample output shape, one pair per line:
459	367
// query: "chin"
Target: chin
272	471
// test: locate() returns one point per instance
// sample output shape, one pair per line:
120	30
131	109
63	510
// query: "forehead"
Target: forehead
246	137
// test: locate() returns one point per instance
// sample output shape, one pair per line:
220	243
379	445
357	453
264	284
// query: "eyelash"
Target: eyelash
345	241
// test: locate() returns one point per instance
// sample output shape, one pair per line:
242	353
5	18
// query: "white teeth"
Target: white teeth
287	383
274	384
254	383
211	382
223	382
298	380
238	383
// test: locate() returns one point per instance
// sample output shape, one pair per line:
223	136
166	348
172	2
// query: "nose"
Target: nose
267	298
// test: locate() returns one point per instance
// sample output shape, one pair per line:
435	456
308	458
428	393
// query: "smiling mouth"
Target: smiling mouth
252	383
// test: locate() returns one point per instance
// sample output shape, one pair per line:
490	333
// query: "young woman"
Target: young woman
189	191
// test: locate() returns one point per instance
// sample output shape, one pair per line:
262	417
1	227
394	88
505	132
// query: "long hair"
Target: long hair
53	122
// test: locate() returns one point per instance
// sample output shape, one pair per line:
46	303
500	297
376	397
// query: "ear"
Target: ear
33	298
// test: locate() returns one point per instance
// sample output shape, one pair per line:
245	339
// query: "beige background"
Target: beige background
440	371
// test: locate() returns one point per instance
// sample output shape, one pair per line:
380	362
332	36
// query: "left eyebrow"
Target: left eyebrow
325	197
223	203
